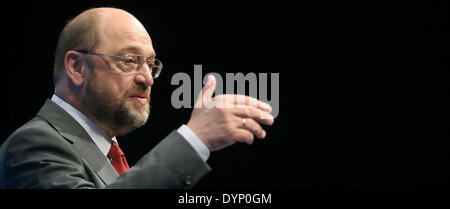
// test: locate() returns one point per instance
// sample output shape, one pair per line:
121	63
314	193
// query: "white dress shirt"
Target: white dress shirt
104	143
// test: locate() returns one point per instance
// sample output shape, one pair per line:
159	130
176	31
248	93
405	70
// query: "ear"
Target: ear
74	67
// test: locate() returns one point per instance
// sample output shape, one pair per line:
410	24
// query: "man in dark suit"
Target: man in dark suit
104	69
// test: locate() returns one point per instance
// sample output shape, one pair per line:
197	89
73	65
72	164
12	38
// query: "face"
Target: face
113	97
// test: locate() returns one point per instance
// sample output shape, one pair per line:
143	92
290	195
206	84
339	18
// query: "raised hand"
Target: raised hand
222	120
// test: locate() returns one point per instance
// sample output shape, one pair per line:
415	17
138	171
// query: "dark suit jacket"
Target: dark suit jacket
54	151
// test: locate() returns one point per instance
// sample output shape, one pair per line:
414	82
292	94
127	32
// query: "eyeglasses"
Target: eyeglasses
132	62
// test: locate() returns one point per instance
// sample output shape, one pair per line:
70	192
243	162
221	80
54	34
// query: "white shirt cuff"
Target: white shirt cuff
194	141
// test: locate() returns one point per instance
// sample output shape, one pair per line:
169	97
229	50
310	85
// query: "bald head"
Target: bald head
92	28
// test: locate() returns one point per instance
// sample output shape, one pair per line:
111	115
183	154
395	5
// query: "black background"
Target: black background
364	88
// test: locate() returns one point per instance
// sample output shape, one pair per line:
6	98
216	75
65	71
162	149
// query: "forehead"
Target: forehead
124	34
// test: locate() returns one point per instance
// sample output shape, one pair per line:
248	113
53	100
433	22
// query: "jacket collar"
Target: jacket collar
72	131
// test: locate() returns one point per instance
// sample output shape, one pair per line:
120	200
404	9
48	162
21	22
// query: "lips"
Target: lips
140	98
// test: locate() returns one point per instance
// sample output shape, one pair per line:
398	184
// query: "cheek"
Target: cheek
110	89
112	83
115	87
121	88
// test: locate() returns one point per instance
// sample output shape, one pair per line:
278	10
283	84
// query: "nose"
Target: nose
144	77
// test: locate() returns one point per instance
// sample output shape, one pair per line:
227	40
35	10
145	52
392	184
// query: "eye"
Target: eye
150	63
129	59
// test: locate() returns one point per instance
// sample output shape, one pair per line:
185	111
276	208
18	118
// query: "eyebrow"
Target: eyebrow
135	49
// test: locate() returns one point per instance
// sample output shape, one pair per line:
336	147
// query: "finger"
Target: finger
207	92
230	100
253	113
209	88
243	135
252	126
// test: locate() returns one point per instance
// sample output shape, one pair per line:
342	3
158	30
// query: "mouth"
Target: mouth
140	98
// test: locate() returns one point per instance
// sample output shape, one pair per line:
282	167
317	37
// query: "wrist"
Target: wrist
199	134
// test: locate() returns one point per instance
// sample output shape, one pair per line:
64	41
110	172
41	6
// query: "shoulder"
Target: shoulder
36	131
31	139
37	156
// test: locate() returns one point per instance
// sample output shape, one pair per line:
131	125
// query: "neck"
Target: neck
74	101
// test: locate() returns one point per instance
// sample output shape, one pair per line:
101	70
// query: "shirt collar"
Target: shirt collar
96	133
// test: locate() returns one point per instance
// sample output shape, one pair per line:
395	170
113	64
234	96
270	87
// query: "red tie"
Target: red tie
117	158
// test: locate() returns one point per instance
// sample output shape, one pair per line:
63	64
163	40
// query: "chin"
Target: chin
139	113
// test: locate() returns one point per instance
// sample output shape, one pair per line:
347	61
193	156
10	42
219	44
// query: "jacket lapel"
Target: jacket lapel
71	130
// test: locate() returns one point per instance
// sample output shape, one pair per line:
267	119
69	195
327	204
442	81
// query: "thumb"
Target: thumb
209	88
207	91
